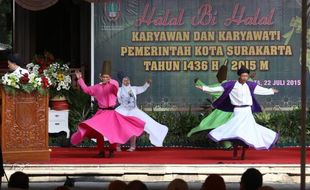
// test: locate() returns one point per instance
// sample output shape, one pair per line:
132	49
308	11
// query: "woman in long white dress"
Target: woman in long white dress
127	97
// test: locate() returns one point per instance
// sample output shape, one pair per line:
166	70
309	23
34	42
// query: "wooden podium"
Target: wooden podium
24	127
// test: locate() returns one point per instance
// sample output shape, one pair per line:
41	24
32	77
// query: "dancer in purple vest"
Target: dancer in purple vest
238	97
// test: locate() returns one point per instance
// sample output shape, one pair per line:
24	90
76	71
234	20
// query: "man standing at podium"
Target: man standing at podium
15	65
106	122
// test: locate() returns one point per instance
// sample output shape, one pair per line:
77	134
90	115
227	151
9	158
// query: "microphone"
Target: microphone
130	93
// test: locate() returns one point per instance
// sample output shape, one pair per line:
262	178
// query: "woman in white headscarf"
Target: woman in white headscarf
127	97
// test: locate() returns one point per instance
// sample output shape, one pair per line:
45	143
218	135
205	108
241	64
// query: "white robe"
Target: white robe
127	96
20	72
242	125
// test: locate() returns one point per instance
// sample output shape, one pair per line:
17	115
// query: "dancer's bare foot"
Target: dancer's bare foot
118	149
131	149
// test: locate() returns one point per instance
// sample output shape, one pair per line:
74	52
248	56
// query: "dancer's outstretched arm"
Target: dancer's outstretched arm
211	89
90	90
264	91
214	95
141	89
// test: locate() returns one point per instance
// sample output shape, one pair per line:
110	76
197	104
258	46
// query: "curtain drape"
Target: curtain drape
36	5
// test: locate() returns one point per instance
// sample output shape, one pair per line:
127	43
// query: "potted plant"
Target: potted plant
59	74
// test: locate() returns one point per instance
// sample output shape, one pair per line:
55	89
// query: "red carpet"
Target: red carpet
173	156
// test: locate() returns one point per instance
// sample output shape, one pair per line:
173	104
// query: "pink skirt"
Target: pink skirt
110	124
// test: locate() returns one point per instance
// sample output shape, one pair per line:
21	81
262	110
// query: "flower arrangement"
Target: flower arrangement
57	72
27	83
40	63
45	74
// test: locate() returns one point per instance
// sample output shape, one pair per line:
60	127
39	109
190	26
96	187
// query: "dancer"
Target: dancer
238	97
216	117
106	122
127	97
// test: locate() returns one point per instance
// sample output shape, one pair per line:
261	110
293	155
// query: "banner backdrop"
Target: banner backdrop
175	41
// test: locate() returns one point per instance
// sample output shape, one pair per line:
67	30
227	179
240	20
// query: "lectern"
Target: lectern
24	127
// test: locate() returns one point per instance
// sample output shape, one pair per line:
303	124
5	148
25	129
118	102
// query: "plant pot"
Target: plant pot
59	103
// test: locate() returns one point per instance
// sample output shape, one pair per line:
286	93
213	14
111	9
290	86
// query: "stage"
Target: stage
162	164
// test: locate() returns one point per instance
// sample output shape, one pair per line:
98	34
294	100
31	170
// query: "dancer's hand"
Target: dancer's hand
149	81
195	80
78	74
199	87
275	90
252	75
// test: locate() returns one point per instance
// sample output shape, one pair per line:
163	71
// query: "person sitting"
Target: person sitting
177	184
214	181
251	179
136	185
266	188
62	188
19	180
117	185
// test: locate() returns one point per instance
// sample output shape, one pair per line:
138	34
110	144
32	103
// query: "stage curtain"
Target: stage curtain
36	5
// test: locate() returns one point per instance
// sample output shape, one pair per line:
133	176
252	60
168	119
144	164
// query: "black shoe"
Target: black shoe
111	153
101	154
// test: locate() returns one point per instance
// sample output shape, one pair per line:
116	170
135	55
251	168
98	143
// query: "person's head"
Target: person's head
117	185
62	188
177	184
126	81
251	179
104	78
136	185
243	74
19	180
106	72
214	181
14	61
266	188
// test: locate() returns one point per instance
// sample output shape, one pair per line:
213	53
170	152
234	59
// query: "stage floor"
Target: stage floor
280	165
174	156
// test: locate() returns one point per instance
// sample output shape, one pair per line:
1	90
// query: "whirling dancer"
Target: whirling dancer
106	122
238	97
127	97
217	117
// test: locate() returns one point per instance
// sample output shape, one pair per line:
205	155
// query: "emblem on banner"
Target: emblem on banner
112	9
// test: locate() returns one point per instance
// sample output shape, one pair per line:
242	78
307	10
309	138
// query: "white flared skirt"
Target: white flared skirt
242	126
157	132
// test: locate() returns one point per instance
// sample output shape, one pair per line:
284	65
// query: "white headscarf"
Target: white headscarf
127	96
